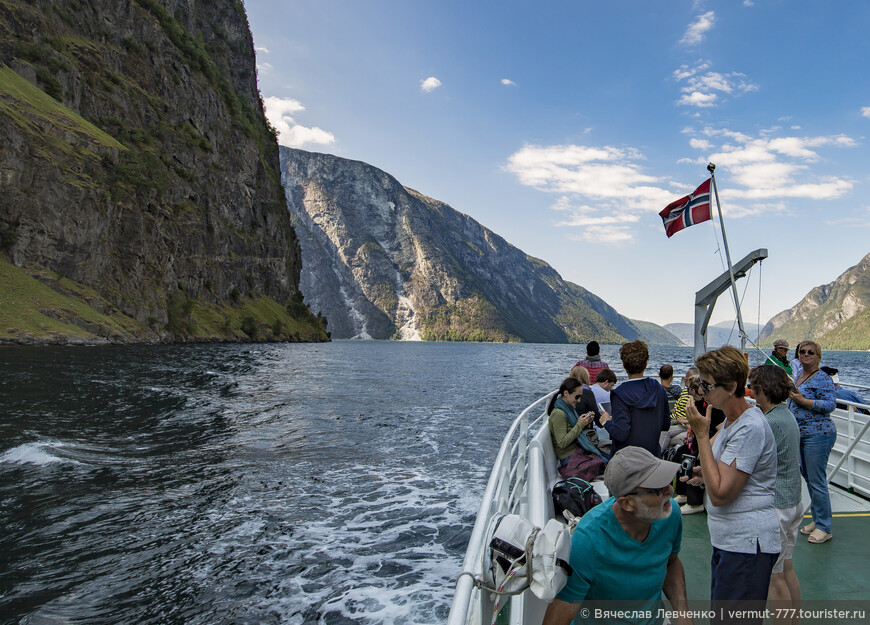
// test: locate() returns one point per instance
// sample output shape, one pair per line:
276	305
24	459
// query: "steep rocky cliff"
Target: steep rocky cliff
136	164
834	314
383	261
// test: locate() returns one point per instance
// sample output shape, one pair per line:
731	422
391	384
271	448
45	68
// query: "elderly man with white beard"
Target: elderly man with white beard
625	551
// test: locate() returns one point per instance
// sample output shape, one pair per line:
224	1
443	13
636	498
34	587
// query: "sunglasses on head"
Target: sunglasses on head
807	352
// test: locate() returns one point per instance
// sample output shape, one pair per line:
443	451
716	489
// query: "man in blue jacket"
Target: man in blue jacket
639	405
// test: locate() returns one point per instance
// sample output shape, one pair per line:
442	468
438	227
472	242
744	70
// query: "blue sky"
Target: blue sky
566	126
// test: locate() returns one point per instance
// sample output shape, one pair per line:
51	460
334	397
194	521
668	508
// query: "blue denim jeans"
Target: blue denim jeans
814	465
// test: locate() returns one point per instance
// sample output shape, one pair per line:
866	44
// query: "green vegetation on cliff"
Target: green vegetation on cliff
39	306
138	164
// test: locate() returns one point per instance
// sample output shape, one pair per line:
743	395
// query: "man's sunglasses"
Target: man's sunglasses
654	491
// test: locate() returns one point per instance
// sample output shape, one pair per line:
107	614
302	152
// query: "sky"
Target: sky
567	126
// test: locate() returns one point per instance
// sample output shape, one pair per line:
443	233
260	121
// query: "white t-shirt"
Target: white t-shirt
750	520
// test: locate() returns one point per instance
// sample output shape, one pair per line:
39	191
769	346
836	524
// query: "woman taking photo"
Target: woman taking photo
739	473
812	404
577	456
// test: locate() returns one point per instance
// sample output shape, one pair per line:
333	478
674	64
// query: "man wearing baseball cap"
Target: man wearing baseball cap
779	356
626	549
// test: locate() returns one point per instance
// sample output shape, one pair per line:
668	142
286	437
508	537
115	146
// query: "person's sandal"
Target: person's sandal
806	530
819	536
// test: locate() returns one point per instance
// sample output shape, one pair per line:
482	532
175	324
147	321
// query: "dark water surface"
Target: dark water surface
292	484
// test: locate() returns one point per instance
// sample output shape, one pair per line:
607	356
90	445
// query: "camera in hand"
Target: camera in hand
687	465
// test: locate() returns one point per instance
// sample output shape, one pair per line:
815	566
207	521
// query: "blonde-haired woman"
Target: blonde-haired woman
739	473
812	403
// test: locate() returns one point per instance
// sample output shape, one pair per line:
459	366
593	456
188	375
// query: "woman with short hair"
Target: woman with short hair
812	402
738	471
771	386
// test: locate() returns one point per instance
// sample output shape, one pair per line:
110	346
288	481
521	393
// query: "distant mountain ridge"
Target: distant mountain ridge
722	333
834	314
382	261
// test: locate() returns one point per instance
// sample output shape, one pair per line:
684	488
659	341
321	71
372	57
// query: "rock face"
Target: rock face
384	261
135	157
836	314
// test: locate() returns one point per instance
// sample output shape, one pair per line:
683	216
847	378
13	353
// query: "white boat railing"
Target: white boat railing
851	453
505	493
521	461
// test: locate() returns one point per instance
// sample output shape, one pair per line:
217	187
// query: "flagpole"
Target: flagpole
711	168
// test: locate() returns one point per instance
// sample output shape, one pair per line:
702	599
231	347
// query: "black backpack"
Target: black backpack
575	495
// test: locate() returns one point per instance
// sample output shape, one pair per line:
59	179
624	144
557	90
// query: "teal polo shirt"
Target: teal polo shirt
609	565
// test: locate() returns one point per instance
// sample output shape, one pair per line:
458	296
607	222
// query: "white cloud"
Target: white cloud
696	98
697	29
262	49
865	111
263	68
602	189
606	193
280	111
777	167
507	82
701	84
430	84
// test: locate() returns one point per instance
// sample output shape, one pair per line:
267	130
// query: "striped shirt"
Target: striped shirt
787	491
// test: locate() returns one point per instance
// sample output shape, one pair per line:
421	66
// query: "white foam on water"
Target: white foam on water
40	454
386	559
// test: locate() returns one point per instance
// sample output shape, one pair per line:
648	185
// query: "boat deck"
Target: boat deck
836	570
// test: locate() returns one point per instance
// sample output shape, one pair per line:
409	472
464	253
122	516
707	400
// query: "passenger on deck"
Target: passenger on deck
771	386
577	456
627	548
639	406
588	403
666	377
779	356
679	424
796	366
844	393
739	473
601	389
592	363
603	385
691	498
812	403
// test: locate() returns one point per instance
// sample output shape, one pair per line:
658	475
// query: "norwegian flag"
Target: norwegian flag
687	211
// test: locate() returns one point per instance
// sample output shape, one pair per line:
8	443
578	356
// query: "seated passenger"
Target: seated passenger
666	378
587	403
576	454
676	435
592	363
639	405
844	393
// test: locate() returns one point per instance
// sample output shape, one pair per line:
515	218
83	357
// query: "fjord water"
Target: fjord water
288	483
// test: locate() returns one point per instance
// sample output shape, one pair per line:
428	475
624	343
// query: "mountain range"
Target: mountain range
145	199
722	333
380	260
836	315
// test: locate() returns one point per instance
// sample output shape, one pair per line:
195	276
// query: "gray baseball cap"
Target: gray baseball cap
634	467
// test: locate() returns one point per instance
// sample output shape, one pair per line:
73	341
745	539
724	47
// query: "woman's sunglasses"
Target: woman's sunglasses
807	352
706	387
